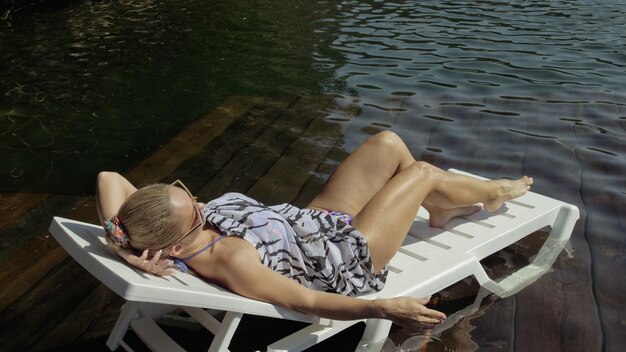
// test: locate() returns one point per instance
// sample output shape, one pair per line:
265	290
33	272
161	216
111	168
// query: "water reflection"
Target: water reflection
505	89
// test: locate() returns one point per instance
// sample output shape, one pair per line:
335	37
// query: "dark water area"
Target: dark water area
496	88
102	84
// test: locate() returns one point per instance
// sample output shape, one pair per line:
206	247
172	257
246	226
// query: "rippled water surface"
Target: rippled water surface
498	88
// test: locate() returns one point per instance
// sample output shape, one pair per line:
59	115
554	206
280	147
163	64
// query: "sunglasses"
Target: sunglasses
182	186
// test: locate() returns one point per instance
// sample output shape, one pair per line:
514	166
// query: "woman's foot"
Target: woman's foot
440	217
507	190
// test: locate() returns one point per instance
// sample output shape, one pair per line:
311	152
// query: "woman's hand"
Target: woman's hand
155	265
409	312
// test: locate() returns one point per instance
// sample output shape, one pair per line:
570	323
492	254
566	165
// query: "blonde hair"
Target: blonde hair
147	218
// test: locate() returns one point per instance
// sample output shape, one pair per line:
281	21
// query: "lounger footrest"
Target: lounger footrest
153	336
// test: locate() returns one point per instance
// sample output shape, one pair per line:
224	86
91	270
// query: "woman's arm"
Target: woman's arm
243	273
112	189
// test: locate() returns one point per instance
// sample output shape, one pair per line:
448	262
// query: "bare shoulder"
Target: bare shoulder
236	248
239	268
232	256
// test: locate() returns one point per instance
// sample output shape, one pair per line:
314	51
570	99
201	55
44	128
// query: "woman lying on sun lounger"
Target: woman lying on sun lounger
312	259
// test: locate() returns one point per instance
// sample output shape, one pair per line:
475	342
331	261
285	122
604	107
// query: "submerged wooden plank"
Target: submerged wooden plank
607	244
493	329
30	263
286	178
14	205
474	152
497	327
90	315
189	142
248	149
47	307
559	310
221	162
33	223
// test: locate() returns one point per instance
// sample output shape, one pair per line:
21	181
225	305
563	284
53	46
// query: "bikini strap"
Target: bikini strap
181	261
203	249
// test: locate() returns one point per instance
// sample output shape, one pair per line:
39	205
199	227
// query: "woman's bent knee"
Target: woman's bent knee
425	171
390	145
387	139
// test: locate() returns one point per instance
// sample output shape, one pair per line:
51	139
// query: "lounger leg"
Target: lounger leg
229	326
552	247
376	331
128	312
467	311
563	226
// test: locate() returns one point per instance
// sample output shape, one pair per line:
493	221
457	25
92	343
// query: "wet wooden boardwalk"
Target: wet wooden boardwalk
275	150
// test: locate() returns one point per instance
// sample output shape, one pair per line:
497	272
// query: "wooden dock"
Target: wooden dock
275	150
272	149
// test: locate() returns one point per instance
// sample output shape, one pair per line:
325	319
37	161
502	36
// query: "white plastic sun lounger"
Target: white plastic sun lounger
429	261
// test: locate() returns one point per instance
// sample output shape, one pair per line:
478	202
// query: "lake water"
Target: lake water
497	88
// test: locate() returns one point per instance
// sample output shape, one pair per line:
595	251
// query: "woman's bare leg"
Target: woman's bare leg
387	217
382	186
370	167
456	190
438	217
363	173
